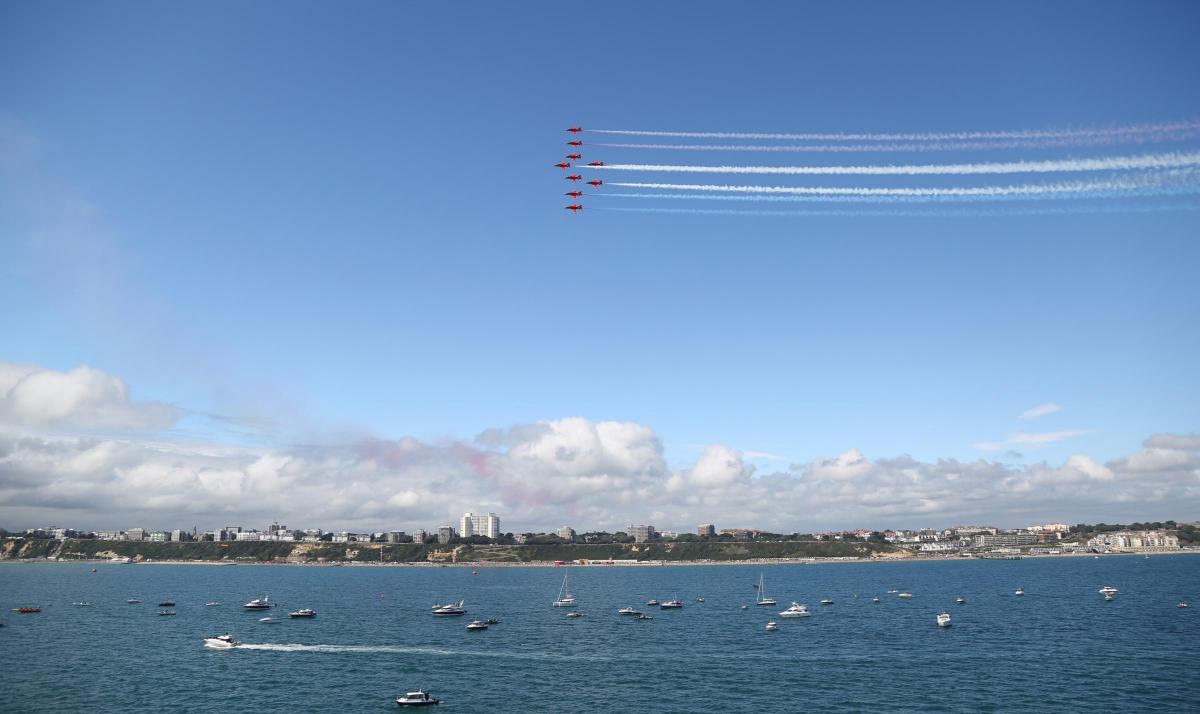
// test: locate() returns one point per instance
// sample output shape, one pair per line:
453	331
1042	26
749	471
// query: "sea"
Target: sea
1058	648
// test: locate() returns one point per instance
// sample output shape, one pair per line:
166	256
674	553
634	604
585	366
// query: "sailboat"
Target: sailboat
762	598
565	598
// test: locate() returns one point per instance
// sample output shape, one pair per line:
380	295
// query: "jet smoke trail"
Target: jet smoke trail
1174	179
921	213
1119	131
1110	163
1072	195
915	147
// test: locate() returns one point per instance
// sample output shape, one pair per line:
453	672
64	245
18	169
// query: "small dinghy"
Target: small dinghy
943	619
477	625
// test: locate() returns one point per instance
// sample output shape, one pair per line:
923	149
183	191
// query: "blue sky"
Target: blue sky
344	218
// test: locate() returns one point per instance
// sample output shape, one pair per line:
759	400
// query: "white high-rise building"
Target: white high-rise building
471	524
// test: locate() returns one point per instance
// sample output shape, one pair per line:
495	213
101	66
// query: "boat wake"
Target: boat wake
398	649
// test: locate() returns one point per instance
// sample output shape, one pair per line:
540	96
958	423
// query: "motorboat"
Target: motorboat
652	602
771	626
167	603
1109	597
1108	590
449	609
574	614
120	560
419	698
796	610
1019	591
960	600
221	642
211	604
745	607
268	620
493	621
906	596
165	613
85	603
303	612
874	599
565	598
477	625
27	610
133	601
262	603
762	596
627	611
943	619
827	601
671	605
1182	605
699	599
892	592
643	616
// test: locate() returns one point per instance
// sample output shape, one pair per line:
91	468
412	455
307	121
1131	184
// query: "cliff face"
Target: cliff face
265	552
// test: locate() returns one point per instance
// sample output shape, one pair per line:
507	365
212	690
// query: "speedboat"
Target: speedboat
827	601
943	619
453	608
221	642
167	603
1182	605
960	599
892	592
904	595
304	612
133	601
796	610
1108	590
262	603
699	599
419	698
574	614
874	599
771	626
643	616
27	610
85	603
627	611
745	607
565	598
652	602
762	597
477	625
164	613
268	620
671	605
1019	591
211	604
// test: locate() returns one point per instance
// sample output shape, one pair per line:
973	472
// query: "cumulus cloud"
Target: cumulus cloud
1174	442
1040	410
81	398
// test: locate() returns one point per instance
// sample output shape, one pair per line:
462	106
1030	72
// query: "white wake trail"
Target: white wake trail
399	649
1113	132
1109	163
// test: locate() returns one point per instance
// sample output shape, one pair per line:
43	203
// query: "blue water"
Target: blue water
1061	647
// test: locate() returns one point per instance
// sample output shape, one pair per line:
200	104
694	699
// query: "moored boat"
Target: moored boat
262	603
565	598
27	610
671	604
419	698
627	611
303	613
450	609
771	626
796	610
477	625
762	595
943	619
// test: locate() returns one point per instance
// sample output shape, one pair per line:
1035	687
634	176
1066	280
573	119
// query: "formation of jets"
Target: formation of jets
576	156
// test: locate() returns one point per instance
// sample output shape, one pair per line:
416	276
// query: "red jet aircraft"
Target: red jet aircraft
575	129
574	157
596	163
574	177
563	166
573	194
576	142
595	183
574	208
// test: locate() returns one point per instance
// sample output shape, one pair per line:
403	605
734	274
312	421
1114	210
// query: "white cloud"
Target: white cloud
1033	440
81	398
1177	442
1040	410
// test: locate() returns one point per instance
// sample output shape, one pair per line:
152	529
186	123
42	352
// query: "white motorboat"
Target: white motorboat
120	560
565	598
221	642
699	599
643	616
874	599
1019	591
796	610
449	609
827	601
671	604
477	625
906	596
268	620
303	612
627	611
892	592
419	698
943	619
211	604
762	596
85	603
771	626
652	602
1182	605
262	603
745	607
1107	590
960	599
574	614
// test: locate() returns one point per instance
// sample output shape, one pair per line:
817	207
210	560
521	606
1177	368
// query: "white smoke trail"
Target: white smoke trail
1109	163
1080	195
1173	179
915	147
1114	132
921	213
